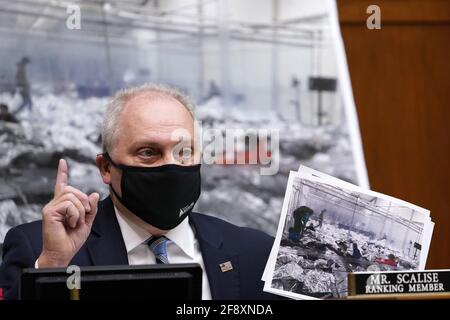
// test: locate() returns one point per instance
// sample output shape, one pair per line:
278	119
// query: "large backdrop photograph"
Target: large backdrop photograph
249	65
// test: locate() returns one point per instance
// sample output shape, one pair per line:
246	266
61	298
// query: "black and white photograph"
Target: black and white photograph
243	68
257	148
327	231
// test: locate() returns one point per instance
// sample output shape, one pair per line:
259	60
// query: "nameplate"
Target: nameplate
394	284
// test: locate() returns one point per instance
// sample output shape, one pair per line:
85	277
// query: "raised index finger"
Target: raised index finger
61	177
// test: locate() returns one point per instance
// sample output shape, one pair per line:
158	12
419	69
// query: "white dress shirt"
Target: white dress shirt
183	247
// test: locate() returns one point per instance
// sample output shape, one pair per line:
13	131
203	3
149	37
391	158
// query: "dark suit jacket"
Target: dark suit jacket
247	249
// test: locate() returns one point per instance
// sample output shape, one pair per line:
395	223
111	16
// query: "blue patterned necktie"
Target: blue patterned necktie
158	245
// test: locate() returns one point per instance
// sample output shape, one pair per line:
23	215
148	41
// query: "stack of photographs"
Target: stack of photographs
329	228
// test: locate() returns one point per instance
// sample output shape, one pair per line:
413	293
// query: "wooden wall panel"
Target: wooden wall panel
401	83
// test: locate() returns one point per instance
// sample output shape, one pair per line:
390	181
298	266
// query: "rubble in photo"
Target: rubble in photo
330	231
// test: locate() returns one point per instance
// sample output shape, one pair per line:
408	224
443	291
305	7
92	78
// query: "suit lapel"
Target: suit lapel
105	243
223	285
106	247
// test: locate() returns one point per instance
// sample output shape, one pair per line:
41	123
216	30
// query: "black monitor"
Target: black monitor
159	281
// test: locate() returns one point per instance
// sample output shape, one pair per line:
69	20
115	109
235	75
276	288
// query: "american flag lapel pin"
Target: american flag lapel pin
226	266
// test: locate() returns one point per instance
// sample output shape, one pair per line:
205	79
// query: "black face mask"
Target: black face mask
162	196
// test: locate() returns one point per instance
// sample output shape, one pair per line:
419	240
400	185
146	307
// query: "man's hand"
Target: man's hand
66	221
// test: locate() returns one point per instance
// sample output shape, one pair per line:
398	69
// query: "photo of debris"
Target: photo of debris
329	231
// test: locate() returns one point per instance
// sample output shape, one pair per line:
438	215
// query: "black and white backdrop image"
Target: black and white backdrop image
329	231
258	64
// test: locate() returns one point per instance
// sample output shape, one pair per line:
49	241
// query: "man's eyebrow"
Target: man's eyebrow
158	144
145	143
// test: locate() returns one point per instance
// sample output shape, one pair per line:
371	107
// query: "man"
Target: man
295	84
148	216
23	85
356	253
294	235
213	90
321	217
301	217
5	115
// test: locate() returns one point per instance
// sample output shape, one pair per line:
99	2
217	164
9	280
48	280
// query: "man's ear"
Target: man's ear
104	166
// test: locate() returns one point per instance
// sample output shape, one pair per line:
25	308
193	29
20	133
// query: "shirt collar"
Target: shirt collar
134	235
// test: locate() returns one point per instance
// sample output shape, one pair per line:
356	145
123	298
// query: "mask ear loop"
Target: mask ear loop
108	157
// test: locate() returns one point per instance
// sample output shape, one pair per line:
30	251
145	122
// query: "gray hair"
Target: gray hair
115	106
